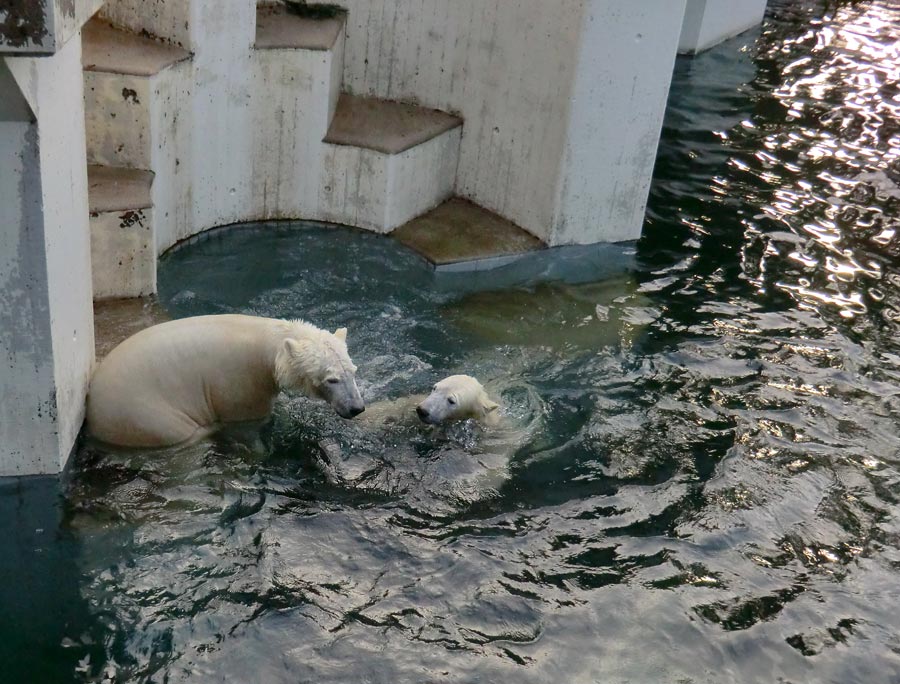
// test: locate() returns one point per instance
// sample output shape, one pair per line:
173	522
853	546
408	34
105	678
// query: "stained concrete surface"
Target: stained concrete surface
277	28
115	320
459	230
107	48
385	126
113	188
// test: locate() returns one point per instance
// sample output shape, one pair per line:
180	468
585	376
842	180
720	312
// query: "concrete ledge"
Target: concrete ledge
386	126
114	50
277	28
459	231
112	188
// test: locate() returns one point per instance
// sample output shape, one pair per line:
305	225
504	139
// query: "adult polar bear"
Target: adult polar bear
177	381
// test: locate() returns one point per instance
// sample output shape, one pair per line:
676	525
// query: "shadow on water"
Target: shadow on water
48	632
698	478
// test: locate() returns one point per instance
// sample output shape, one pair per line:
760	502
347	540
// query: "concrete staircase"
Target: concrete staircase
127	78
314	152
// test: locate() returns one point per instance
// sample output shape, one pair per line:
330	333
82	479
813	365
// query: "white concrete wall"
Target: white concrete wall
28	438
622	76
563	101
168	20
292	108
118	128
505	67
709	22
421	178
381	192
46	315
69	17
124	241
171	107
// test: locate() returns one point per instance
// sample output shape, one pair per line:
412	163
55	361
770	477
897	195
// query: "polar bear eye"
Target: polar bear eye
332	381
451	401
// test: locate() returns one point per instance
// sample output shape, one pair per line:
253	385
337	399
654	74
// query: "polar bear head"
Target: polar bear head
456	398
316	363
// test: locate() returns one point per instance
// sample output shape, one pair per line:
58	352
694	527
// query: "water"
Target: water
704	463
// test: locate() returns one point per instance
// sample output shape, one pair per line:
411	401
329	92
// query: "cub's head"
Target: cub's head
316	363
458	397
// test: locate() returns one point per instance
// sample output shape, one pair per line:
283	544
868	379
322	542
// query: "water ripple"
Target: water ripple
703	477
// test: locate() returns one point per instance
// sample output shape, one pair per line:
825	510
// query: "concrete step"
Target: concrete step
279	28
460	235
109	49
123	244
128	88
386	126
106	48
297	65
387	162
113	188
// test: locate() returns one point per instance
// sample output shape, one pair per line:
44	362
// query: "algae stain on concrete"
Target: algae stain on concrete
24	22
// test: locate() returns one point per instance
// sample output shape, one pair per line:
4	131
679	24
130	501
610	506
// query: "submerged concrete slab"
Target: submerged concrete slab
277	28
114	188
107	48
115	320
459	231
386	126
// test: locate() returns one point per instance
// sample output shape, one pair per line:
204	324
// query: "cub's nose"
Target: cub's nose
356	410
423	413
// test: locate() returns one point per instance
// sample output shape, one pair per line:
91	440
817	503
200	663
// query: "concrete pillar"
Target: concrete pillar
622	73
46	314
709	22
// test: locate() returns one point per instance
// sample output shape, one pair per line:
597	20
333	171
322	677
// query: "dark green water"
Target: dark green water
704	489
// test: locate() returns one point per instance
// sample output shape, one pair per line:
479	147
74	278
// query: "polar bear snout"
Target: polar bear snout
349	412
424	414
342	393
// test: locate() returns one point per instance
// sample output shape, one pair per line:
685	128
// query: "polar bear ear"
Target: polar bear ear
488	405
293	347
341	334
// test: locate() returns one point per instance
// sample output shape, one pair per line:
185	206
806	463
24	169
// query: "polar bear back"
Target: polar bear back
175	378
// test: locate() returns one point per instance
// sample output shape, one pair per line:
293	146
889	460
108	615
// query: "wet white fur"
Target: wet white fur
177	381
471	401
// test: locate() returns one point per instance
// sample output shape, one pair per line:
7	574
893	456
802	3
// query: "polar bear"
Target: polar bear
178	381
457	397
462	455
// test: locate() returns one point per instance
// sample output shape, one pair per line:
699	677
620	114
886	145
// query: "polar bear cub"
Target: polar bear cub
466	461
178	381
455	398
458	397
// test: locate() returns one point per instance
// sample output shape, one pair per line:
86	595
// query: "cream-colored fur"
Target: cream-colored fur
458	397
177	381
471	461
